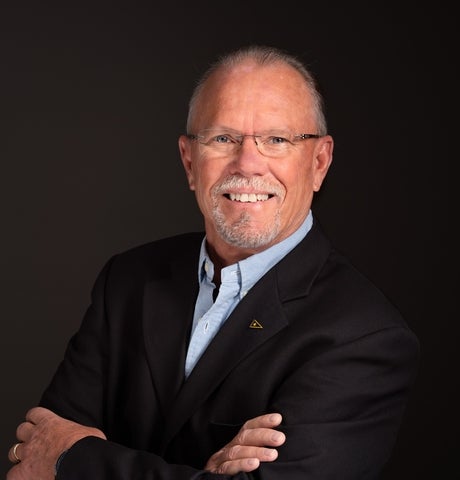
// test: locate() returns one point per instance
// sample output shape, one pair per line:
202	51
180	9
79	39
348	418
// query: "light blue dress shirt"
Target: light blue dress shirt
236	280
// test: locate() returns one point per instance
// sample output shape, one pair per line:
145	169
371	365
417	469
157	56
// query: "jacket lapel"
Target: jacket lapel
242	332
257	318
169	302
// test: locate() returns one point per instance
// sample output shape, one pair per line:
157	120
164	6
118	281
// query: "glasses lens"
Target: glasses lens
274	146
222	144
219	143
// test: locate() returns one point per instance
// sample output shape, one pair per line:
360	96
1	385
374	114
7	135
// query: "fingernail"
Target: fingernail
277	436
270	453
275	418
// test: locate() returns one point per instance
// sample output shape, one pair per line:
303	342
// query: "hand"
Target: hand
249	447
43	437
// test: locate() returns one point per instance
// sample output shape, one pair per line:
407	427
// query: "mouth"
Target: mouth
248	197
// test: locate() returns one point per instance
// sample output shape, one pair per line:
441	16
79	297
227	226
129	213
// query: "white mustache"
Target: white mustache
255	184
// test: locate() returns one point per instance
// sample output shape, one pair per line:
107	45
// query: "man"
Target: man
277	361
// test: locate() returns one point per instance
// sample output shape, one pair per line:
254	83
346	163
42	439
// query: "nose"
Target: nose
254	139
248	160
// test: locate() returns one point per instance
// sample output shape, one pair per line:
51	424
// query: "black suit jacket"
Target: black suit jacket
333	356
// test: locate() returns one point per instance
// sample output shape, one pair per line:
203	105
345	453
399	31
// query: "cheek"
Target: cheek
201	182
299	187
206	174
295	178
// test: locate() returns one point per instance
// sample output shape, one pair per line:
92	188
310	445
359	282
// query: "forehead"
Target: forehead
253	81
251	94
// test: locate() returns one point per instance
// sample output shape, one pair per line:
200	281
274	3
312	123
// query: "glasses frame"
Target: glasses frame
239	138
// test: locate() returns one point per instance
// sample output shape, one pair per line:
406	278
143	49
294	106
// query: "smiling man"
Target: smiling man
251	163
252	350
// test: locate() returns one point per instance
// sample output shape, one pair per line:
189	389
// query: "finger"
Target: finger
233	467
239	452
269	420
14	454
24	431
37	414
259	437
13	473
231	458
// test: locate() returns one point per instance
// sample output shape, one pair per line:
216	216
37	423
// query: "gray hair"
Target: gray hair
262	55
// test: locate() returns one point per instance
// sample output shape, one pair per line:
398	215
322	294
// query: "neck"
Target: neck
223	257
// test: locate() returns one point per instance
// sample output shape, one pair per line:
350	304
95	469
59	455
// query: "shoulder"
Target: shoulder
163	247
340	295
155	257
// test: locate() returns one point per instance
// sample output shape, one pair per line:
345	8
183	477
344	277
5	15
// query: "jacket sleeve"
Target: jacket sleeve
78	387
342	410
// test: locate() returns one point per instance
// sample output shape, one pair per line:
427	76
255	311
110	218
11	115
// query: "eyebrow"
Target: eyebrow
231	131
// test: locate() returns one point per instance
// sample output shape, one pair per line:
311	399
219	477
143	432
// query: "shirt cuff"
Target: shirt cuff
59	460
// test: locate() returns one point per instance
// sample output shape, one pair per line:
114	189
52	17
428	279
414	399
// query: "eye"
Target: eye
222	138
273	140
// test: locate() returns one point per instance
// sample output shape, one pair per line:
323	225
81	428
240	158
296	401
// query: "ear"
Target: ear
185	149
322	160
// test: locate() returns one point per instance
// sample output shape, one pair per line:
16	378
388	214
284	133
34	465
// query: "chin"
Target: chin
247	238
244	232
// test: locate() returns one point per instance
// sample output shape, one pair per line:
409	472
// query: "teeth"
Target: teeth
248	197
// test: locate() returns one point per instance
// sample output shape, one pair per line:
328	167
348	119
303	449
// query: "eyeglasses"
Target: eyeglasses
223	143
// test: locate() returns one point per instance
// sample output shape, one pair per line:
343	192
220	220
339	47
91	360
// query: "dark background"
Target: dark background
93	99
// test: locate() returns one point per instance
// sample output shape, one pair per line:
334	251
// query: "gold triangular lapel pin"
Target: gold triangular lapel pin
255	324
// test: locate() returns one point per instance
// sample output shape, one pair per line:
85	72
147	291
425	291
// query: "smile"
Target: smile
248	197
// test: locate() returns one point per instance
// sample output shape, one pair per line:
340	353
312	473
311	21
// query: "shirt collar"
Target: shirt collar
252	268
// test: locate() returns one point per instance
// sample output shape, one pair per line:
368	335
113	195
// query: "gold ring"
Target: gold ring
15	455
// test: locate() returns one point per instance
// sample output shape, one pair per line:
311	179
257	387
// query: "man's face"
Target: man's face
252	200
